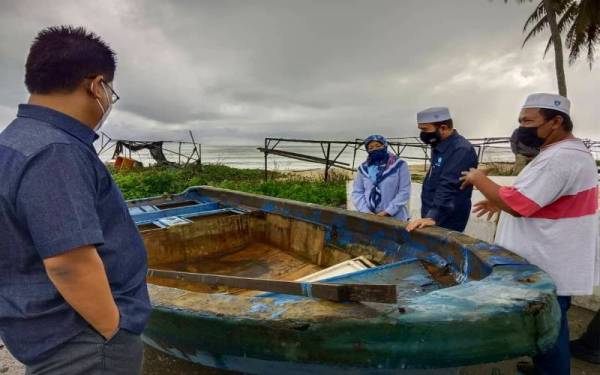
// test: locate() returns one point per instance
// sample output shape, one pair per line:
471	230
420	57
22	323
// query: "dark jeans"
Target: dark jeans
90	354
557	360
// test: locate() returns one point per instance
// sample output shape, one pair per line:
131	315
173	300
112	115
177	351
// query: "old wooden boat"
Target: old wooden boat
460	301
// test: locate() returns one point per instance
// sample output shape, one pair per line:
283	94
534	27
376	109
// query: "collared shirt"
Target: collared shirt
557	197
56	195
441	199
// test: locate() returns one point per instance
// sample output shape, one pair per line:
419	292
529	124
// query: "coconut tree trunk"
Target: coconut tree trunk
558	50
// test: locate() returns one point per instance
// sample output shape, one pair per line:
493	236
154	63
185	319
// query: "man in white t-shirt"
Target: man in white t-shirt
549	215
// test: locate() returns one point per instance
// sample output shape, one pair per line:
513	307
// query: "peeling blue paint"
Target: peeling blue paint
307	289
145	217
496	288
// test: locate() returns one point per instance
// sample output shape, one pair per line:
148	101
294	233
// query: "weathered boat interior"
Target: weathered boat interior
267	246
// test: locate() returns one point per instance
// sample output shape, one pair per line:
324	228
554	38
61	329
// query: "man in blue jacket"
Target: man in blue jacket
442	202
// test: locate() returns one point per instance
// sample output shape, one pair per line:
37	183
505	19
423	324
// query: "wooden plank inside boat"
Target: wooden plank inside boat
257	260
259	246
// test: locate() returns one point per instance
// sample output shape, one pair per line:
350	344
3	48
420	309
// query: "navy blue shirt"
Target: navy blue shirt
441	199
56	195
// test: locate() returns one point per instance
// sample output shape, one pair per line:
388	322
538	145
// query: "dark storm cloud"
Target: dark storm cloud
238	71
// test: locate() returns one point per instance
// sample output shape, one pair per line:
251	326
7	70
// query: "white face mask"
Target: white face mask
106	111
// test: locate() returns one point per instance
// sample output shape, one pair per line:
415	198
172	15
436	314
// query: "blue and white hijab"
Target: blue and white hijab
379	165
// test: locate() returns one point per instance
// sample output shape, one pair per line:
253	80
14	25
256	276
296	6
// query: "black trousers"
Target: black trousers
90	354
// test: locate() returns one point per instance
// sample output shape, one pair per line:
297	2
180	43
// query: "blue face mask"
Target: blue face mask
378	156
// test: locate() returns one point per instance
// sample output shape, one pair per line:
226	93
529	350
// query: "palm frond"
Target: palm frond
584	32
563	8
565	21
538	28
539	12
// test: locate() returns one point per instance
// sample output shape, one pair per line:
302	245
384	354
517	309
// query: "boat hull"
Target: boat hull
501	308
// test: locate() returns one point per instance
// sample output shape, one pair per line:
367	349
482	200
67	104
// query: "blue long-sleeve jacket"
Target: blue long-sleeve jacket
441	199
395	190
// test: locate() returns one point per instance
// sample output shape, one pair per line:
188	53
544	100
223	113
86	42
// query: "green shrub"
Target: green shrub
154	181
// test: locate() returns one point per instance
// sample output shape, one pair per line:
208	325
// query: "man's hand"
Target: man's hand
485	207
80	278
420	223
383	213
471	177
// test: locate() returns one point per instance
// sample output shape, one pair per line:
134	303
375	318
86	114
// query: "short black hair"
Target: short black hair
448	123
61	57
548	114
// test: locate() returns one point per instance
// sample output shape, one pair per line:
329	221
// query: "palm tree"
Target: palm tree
581	21
546	14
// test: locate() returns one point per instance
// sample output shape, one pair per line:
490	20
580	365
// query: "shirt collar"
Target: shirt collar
562	142
443	145
58	119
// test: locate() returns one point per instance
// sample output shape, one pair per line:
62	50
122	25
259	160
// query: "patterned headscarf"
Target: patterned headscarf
376	137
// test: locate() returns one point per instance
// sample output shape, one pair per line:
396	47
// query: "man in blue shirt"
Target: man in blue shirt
73	295
443	203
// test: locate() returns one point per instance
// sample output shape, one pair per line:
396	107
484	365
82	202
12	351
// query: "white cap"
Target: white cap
434	114
550	101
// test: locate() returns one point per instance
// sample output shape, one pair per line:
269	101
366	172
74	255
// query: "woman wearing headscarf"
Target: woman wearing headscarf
382	184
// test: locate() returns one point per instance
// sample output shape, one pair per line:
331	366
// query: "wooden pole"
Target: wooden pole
382	293
354	156
266	156
327	161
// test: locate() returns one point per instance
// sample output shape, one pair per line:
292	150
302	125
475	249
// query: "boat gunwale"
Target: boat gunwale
532	289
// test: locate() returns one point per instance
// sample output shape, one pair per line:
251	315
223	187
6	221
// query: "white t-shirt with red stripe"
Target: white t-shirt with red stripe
557	198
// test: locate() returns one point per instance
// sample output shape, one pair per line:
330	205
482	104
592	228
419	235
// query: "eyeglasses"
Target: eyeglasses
113	95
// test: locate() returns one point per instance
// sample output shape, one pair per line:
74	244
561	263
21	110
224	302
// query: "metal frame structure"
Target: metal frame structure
328	159
107	144
398	145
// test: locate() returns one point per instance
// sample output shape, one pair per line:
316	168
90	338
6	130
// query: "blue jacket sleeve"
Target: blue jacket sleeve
403	196
449	183
358	194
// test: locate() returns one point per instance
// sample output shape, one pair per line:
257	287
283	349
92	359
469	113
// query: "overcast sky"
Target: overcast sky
237	71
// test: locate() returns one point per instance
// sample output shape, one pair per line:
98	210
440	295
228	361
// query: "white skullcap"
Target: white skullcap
549	101
435	114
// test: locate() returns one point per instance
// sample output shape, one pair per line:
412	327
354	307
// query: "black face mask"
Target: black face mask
378	156
529	137
431	138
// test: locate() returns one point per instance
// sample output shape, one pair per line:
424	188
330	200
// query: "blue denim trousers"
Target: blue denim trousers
557	360
89	353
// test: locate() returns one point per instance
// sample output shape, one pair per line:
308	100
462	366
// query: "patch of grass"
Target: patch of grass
499	169
417	178
330	193
148	182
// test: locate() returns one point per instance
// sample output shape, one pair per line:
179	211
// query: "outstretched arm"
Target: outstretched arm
487	187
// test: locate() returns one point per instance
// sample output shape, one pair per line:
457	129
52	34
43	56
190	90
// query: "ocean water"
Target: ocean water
250	157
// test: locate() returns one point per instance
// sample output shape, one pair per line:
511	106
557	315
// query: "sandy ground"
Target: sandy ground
157	363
